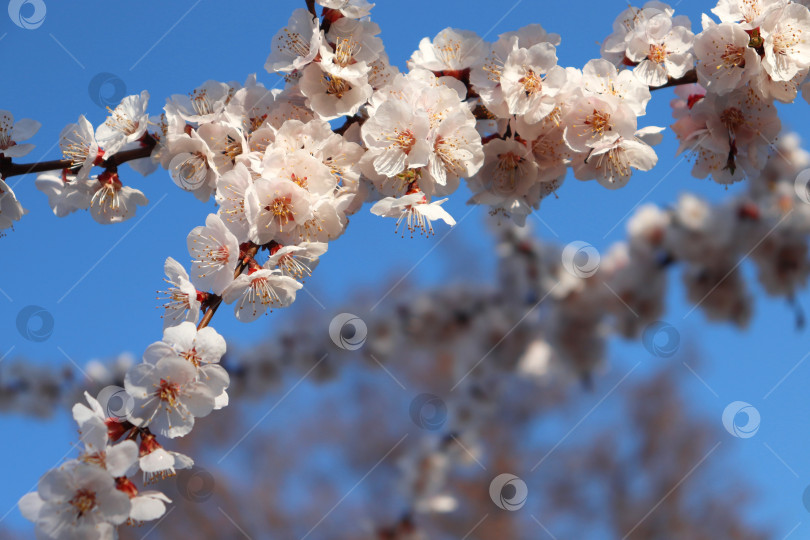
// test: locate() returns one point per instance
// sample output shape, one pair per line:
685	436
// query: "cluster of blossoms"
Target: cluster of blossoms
504	116
573	307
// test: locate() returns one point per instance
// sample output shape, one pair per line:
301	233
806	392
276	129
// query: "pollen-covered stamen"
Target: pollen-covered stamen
403	139
294	267
83	501
532	82
507	170
168	392
76	148
300	180
232	148
262	292
121	122
175	298
192	356
448	152
282	211
200	102
449	51
732	118
614	162
415	220
311	229
97	458
106	197
193	170
335	86
787	38
493	68
209	253
293	42
599	122
345	49
657	54
732	57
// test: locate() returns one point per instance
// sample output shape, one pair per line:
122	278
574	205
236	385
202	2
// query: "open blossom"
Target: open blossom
531	80
168	396
296	261
351	47
724	59
597	120
66	193
414	210
111	201
509	170
331	95
661	49
77	500
786	46
78	144
182	303
215	252
126	124
295	45
158	463
204	104
601	77
10	208
259	290
275	209
203	349
611	163
12	133
614	48
192	165
450	50
745	12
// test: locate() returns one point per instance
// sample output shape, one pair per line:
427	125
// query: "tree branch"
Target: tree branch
689	78
249	254
9	169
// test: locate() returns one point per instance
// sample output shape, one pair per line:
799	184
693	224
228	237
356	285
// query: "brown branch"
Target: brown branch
311	8
217	300
9	169
689	78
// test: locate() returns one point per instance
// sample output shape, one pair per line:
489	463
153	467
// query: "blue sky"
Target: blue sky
99	282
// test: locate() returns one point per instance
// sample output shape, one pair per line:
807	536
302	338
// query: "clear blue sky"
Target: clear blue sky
99	282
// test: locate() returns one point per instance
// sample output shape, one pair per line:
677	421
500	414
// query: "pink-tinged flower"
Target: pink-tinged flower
215	252
724	59
77	500
354	9
332	96
204	104
275	208
450	50
231	188
258	291
12	133
612	164
397	138
94	433
168	396
183	303
414	210
597	120
786	45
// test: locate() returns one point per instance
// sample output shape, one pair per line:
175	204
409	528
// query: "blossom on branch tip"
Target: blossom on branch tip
12	133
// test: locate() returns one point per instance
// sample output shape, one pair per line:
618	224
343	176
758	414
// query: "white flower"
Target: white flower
78	144
396	138
597	120
531	80
414	210
192	167
118	458
76	501
725	61
204	104
744	11
509	170
295	45
786	45
203	348
126	124
113	202
11	133
275	208
662	50
231	188
158	463
296	261
258	291
351	47
601	77
183	303
215	253
611	164
148	506
332	96
168	396
10	208
66	194
450	50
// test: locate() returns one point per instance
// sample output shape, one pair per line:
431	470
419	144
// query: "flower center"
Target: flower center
732	118
335	86
733	57
282	211
168	392
599	122
657	54
532	82
83	501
